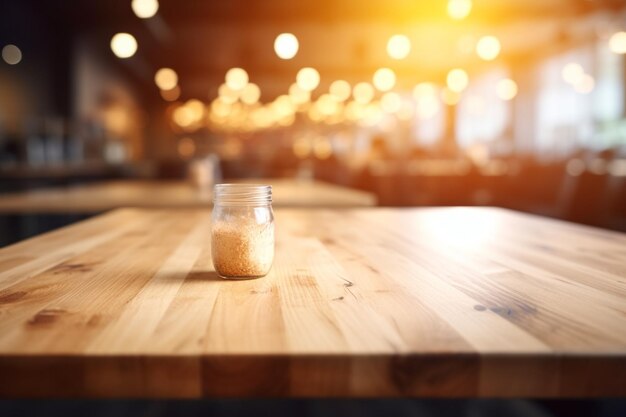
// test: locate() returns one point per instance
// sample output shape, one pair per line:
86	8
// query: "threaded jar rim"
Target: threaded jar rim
242	194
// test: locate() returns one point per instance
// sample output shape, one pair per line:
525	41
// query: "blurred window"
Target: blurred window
429	130
481	115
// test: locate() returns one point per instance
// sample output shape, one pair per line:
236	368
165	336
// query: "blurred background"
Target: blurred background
511	103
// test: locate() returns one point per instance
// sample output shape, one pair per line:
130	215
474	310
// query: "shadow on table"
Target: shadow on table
313	408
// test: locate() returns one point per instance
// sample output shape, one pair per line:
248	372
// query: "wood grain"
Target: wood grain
442	302
99	197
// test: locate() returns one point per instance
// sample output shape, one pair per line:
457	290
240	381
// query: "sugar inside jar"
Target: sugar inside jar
242	233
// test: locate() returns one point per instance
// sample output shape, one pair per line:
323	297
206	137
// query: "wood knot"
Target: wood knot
11	297
478	307
46	316
66	268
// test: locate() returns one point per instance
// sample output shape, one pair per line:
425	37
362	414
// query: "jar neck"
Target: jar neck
242	195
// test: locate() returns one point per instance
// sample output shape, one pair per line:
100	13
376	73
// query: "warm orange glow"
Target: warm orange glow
250	94
196	109
354	111
617	43
298	95
183	116
340	90
308	79
283	106
145	9
123	45
459	9
166	78
372	115
227	95
301	148
398	46
327	105
457	80
262	117
384	79
322	148
363	93
186	148
286	45
450	97
236	79
572	73
171	94
506	89
488	48
220	108
11	54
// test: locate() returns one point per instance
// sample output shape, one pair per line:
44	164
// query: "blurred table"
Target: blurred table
98	197
441	302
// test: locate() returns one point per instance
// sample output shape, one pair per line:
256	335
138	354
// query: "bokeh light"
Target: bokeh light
327	105
145	9
308	79
572	73
298	95
166	78
391	102
363	93
340	90
384	79
196	108
286	45
183	116
459	9
283	106
617	43
171	94
506	89
123	45
424	89
226	94
427	100
250	94
488	48
398	46
236	79
11	54
457	80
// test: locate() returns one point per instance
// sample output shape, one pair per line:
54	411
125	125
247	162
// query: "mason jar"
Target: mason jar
242	230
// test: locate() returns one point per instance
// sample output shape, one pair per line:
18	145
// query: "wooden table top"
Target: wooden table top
442	302
103	196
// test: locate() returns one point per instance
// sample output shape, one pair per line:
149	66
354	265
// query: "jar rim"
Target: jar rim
242	194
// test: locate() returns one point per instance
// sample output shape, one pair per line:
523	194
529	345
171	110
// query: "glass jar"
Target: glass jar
242	230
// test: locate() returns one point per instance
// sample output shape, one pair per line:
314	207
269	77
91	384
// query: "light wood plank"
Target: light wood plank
446	302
